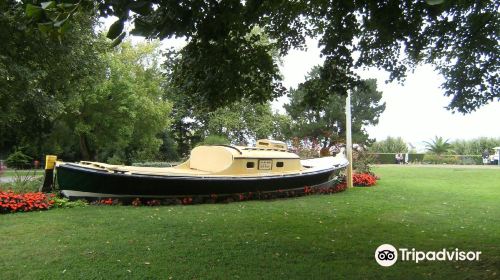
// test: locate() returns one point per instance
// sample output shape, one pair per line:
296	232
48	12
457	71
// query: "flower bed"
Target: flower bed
364	180
339	186
11	202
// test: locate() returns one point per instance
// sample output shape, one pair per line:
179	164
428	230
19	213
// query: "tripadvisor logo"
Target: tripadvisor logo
387	255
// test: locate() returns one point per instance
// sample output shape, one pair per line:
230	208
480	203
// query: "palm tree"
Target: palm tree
438	146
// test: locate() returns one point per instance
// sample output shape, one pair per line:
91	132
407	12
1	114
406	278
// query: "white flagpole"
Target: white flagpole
348	136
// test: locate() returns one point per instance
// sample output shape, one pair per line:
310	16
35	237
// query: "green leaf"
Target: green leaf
48	5
52	14
118	40
65	27
434	2
141	7
115	29
58	24
33	11
65	6
45	27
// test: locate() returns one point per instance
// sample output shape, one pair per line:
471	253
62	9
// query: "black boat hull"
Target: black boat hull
77	179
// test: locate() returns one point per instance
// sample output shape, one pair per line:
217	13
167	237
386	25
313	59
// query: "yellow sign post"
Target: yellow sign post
50	162
48	182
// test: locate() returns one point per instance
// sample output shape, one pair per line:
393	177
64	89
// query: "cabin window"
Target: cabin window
280	164
250	164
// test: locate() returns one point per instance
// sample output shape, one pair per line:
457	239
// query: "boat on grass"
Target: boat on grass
210	170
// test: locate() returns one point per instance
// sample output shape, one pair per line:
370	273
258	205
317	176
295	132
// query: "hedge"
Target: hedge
390	158
453	159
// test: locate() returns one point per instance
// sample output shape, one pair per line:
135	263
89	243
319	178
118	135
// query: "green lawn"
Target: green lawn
13	173
315	237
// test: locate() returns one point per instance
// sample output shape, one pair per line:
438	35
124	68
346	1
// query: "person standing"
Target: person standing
485	156
399	158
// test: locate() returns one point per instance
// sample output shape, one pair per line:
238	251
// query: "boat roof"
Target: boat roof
240	152
271	144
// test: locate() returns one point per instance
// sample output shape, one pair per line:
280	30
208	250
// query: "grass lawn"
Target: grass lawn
314	237
22	172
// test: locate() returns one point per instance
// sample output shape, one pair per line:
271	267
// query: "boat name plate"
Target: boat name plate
265	164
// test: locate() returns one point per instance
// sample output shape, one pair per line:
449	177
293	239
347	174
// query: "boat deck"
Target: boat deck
143	170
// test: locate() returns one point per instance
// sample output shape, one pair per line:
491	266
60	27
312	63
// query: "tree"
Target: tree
389	145
461	38
39	75
169	147
233	69
186	128
241	122
324	121
215	140
474	146
232	108
74	96
282	126
121	121
438	146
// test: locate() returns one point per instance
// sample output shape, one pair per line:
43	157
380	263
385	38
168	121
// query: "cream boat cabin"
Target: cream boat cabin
267	157
220	169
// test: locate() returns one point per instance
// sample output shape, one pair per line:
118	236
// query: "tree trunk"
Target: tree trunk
84	148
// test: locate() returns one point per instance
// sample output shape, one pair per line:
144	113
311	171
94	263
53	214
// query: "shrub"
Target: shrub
18	160
471	159
385	158
453	159
62	202
305	149
441	159
305	153
361	161
23	183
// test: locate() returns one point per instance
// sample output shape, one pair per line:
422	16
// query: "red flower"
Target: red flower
364	179
153	202
187	200
108	201
136	202
11	202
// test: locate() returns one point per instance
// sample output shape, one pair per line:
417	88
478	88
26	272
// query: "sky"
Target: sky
414	111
